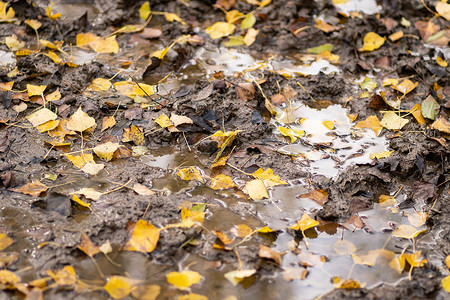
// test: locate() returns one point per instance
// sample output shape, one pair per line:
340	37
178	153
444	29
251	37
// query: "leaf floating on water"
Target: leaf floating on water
65	276
89	193
304	223
80	121
407	232
393	121
237	276
256	189
222	182
190	173
266	252
120	286
344	247
372	41
41	116
269	178
5	241
242	230
220	30
87	246
293	134
144	238
371	122
320	196
146	292
193	296
184	279
415	259
398	263
35	188
348	284
430	108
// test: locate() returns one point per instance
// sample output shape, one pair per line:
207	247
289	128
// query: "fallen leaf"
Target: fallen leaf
5	241
8	279
163	121
183	279
108	122
293	134
242	230
80	202
80	160
348	284
106	151
440	61
370	259
430	108
248	21
398	263
146	292
61	130
56	95
393	121
237	276
50	125
35	188
407	232
80	121
173	17
390	81
92	168
320	49
6	16
250	36
405	86
415	259
441	124
222	182
371	122
144	238
106	45
270	179
41	116
344	247
245	91
372	41
87	246
145	11
13	43
445	282
120	286
443	9
48	12
266	252
193	296
220	29
256	189
179	120
190	173
416	112
65	276
99	84
417	218
193	215
224	138
304	223
89	193
368	84
142	190
35	24
223	237
320	196
396	36
381	154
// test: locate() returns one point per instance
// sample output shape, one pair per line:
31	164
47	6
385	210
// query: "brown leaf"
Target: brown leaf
320	196
87	246
35	188
277	99
245	91
266	252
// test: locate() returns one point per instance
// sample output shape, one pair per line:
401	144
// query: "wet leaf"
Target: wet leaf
35	90
242	230
143	190
87	246
120	286
99	84
220	30
8	279
430	108
381	154
35	188
293	134
80	202
237	276
89	193
105	45
35	24
441	124
80	160
65	276
163	121
5	241
445	282
319	49
266	252
304	223
416	112
6	16
193	296
415	259
328	124
417	218
269	178
234	41
344	247
106	151
6	86
222	182
405	86
368	259
190	173
348	284
372	41
144	10
41	116
80	121
256	189
179	120
371	122
248	21
407	232
223	237
368	84
398	263
108	122
146	292
144	238
224	138
192	215
319	196
443	9
183	279
393	121
48	12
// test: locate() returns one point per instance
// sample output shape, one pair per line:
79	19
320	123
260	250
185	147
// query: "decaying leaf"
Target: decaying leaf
87	246
80	121
163	121
34	188
63	277
405	86
393	121
348	284
144	238
441	124
222	182
270	179
237	276
304	223
183	279
430	108
407	232
256	189
190	173
266	252
99	84
80	160
372	41
320	196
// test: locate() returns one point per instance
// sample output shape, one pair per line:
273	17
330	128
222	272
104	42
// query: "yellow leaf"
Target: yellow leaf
407	232
84	39
224	137
48	12
440	61
393	121
35	90
372	41
13	43
55	96
173	17
337	2
163	121
89	193
269	178
35	24
222	182
250	36
108	122
256	190
237	276
35	188
5	241
368	259
41	116
6	86
144	10
233	16
105	45
49	125
80	160
8	279
183	279
87	246
53	56
242	230
54	46
415	259
144	238
398	263
192	215
441	124
80	121
146	292
446	283
371	122
106	150
328	124
99	84
381	154
343	247
405	86
386	200
192	296
293	134
396	36
447	261
417	218
443	9
304	223
234	41
65	276
80	202
190	173
220	30
119	286
6	16
320	196
248	21
133	134
390	81
348	284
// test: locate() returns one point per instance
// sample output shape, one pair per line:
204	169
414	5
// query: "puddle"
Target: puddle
325	151
368	7
7	58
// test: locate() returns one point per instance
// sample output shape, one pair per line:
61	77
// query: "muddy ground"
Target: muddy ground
47	228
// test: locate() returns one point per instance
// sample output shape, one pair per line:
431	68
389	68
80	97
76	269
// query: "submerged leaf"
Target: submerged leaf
5	241
183	279
222	182
237	276
120	286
